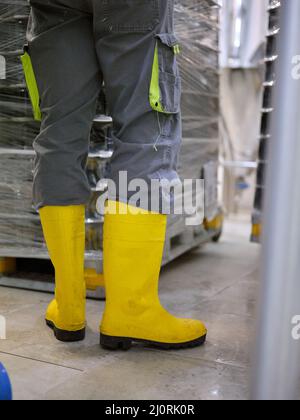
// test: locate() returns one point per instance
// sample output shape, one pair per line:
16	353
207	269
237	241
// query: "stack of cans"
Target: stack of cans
21	233
197	27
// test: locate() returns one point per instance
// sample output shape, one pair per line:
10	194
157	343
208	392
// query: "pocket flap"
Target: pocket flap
170	40
165	88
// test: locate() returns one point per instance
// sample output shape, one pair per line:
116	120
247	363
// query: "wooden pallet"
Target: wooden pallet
180	239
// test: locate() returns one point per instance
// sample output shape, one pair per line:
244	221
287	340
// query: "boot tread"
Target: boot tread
125	343
66	336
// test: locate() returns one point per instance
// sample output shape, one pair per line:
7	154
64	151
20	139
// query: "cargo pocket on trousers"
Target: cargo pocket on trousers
165	89
129	16
31	85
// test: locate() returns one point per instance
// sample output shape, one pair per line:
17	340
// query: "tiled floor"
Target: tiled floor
217	283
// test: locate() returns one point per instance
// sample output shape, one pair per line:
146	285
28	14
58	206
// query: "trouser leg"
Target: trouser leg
61	45
136	49
62	49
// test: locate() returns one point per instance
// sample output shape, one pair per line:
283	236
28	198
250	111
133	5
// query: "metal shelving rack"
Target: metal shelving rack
267	112
20	230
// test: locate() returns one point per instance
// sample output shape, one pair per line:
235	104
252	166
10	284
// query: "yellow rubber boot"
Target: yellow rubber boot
133	251
64	231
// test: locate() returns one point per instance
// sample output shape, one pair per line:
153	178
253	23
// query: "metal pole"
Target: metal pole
276	370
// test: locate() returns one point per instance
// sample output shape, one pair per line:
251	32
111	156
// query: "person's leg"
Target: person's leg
64	231
62	50
137	51
133	251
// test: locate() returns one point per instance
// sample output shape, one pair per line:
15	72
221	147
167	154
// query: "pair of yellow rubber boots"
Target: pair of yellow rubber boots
133	249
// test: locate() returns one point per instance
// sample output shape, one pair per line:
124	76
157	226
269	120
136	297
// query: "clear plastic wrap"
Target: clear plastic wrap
20	230
13	23
16	185
197	27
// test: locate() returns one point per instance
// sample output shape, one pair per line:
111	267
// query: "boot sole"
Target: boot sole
121	343
66	336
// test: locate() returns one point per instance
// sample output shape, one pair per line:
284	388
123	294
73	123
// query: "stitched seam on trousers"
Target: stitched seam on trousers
160	132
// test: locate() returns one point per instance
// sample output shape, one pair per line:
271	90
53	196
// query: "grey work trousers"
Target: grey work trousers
75	45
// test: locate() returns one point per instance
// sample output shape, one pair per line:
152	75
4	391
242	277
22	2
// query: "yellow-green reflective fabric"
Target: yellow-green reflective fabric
155	95
32	86
155	99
